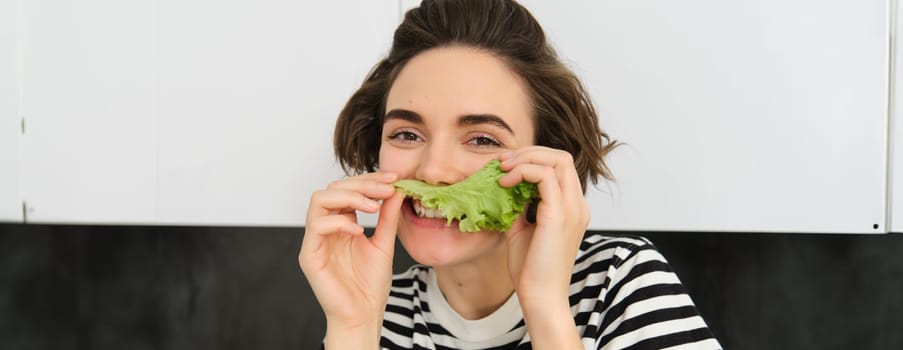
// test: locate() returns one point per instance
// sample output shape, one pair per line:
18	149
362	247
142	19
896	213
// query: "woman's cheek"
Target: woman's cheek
395	161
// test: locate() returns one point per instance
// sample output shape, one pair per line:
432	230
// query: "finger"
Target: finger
565	172
333	224
369	182
545	179
328	202
387	225
381	176
518	243
315	235
551	235
561	161
537	155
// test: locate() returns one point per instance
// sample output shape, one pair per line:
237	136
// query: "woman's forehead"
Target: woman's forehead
455	81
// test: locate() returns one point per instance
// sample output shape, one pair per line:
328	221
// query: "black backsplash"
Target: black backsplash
128	287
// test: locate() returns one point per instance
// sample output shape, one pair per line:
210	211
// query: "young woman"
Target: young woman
464	83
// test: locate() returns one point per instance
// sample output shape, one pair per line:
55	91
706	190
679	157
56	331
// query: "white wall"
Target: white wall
759	116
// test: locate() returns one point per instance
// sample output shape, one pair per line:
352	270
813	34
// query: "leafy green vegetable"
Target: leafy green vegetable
478	202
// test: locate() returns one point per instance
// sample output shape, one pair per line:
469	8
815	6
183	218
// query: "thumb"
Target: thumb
387	224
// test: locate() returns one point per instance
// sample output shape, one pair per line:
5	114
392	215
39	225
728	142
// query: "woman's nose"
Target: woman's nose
438	166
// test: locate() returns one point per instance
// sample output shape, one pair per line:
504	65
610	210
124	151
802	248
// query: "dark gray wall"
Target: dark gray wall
113	287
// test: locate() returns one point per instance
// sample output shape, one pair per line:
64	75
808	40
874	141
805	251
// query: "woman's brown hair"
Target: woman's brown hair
564	115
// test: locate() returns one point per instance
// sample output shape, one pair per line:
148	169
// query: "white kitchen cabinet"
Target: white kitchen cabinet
249	94
736	116
895	190
757	116
90	94
180	112
10	122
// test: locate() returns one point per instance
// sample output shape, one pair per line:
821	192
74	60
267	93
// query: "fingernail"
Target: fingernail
387	189
372	205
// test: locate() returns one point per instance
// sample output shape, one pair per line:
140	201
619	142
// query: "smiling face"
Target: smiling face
449	111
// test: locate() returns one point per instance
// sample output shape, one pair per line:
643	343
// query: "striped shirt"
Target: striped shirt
623	295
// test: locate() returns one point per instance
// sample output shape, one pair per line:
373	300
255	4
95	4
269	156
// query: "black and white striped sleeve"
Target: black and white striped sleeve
642	304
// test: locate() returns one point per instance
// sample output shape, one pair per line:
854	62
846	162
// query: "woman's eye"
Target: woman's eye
484	141
404	136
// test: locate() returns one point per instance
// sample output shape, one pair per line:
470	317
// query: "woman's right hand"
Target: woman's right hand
351	274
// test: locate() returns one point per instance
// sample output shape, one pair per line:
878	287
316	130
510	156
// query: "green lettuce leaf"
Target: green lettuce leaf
477	202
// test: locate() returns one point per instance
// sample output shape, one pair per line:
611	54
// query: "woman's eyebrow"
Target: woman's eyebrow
405	115
469	119
473	119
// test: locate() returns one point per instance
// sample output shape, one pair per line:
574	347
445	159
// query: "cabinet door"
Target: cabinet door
249	94
736	116
759	116
187	112
90	100
10	204
896	140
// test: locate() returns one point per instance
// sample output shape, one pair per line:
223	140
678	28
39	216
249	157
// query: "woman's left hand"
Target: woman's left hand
541	255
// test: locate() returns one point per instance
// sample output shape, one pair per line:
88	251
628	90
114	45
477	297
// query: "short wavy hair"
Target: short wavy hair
564	115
